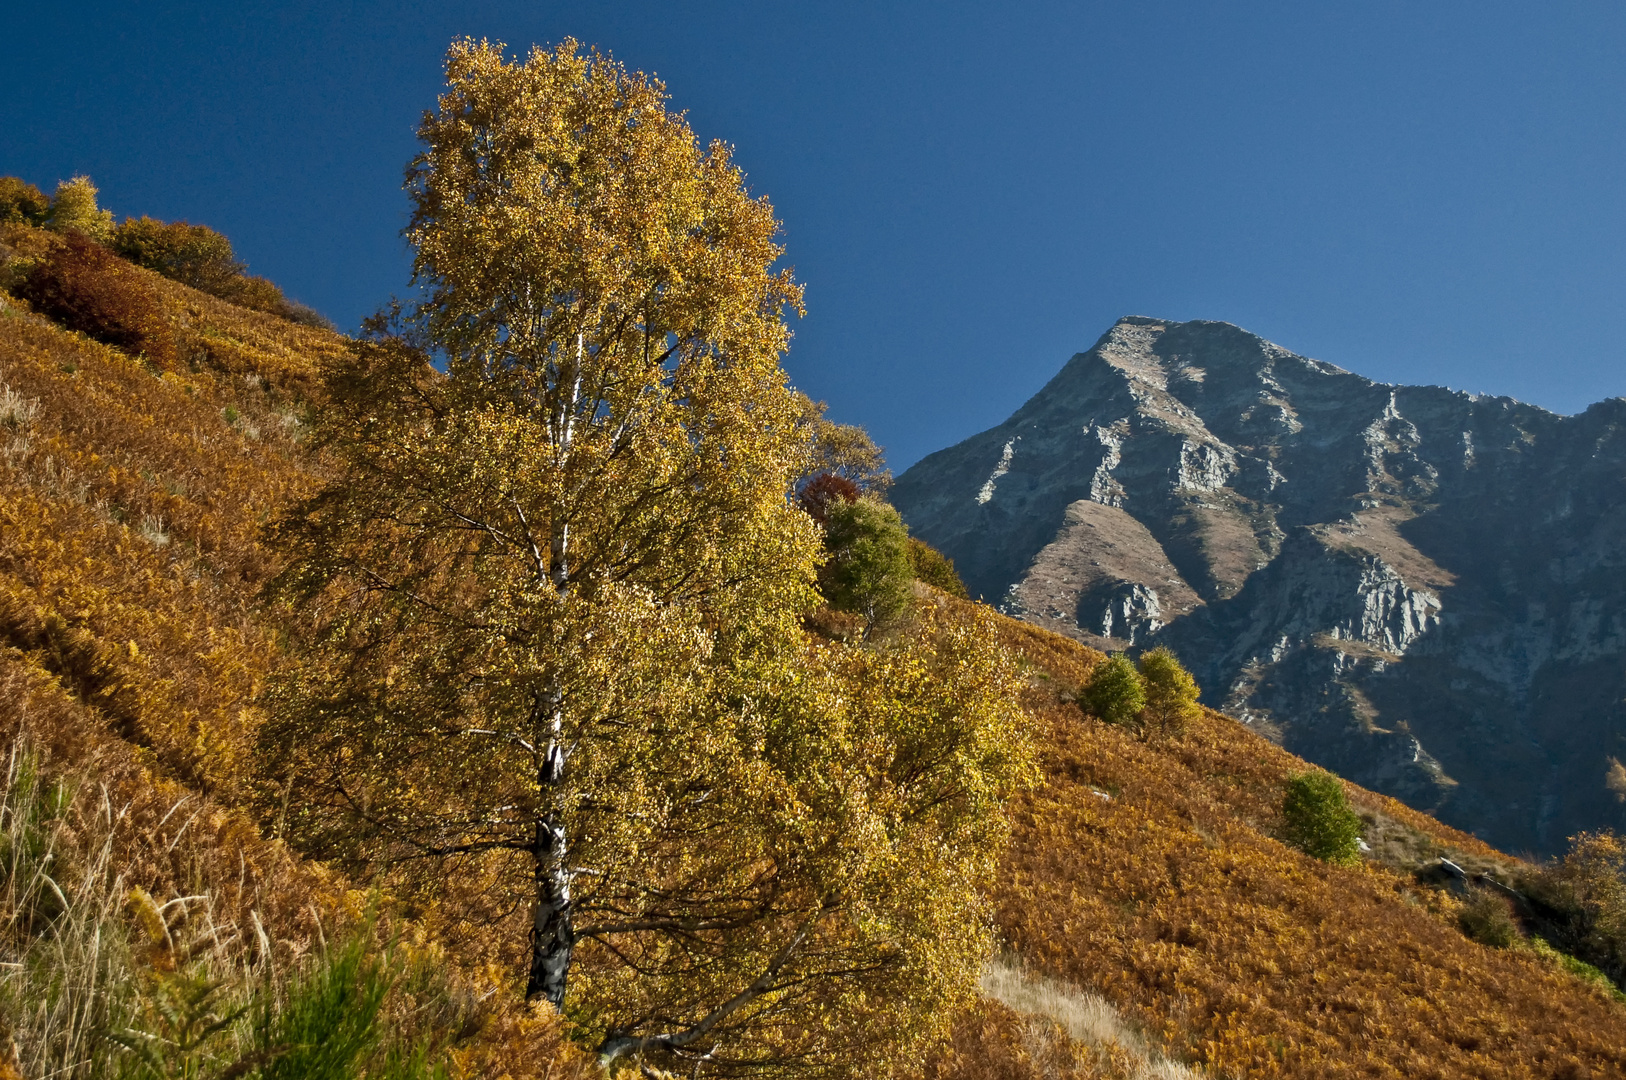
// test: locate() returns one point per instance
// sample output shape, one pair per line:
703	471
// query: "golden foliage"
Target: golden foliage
74	210
1615	779
841	450
1148	874
551	604
22	201
130	509
131	647
1171	695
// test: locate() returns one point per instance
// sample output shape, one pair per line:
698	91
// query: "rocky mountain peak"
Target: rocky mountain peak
1400	582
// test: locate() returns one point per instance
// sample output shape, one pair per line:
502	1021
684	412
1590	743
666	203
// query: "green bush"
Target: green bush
329	1022
1114	692
87	288
934	568
1319	819
868	572
1487	920
328	1025
22	201
1171	695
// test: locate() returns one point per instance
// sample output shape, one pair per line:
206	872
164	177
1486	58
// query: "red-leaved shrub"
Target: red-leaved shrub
87	288
822	491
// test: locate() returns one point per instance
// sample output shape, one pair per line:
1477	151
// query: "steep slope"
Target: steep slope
133	649
1150	875
134	653
1416	587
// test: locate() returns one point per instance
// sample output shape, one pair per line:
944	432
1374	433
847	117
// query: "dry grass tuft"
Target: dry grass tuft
1083	1018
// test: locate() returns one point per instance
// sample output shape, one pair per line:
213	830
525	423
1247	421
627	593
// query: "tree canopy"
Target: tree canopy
1114	692
868	572
551	603
1171	695
1319	819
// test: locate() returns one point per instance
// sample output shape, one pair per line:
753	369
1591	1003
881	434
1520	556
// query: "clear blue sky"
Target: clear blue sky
1420	192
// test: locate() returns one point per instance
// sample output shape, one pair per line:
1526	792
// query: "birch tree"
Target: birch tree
558	532
549	612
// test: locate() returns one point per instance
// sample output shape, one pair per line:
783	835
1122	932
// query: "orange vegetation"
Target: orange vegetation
132	651
1150	874
131	646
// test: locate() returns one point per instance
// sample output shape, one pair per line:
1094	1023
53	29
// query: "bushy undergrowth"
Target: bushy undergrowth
100	980
1488	919
194	255
198	256
87	288
1145	872
1579	903
934	568
22	202
66	956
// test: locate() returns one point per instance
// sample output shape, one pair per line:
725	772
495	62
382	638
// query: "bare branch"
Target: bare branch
618	1045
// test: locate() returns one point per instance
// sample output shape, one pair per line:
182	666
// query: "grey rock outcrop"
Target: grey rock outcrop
1419	588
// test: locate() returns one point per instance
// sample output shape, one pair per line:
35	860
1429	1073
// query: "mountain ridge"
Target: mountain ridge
1329	550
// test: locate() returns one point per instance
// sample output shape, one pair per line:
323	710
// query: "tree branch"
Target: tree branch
618	1045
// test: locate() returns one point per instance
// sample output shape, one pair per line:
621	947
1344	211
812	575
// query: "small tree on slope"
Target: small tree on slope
869	571
1114	692
1171	695
1319	819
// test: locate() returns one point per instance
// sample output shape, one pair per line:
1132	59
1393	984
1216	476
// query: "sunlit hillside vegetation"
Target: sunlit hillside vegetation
131	660
1150	874
1145	874
170	904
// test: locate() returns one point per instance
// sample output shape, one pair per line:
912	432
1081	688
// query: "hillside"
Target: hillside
1415	587
132	654
1152	920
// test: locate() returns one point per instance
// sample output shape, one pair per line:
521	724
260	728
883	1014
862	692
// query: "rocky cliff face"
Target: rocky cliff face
1420	589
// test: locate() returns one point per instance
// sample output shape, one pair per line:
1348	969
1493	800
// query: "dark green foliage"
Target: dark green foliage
329	1023
1487	920
1579	903
1114	692
1319	819
328	1026
22	201
87	288
869	571
935	568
